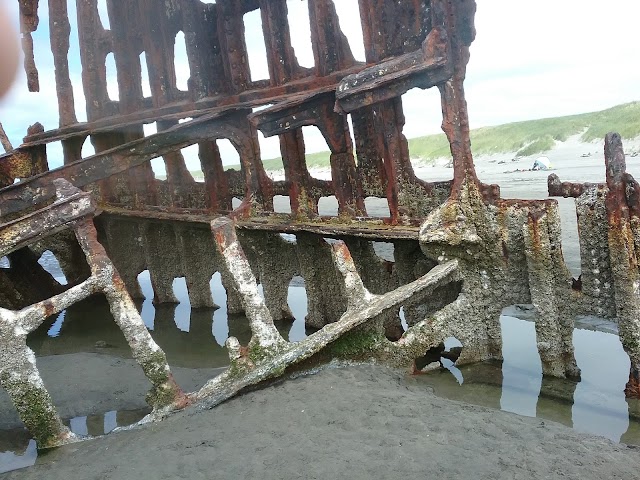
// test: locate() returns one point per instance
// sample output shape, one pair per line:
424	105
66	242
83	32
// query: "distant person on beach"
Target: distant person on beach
8	52
541	163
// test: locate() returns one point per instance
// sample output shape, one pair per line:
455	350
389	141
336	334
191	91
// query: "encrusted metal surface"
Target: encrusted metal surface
461	252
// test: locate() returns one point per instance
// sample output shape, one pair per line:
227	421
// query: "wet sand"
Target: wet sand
355	422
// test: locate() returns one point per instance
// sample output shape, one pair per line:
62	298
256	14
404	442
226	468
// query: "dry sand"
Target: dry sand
355	422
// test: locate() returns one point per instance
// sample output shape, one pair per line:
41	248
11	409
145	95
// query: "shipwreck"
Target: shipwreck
461	251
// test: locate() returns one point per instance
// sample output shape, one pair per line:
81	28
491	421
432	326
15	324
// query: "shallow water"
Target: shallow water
596	404
194	338
19	450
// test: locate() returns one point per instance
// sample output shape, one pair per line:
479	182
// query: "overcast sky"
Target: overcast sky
529	60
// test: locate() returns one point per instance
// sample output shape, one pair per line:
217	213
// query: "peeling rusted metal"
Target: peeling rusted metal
567	189
18	372
28	24
4	140
490	250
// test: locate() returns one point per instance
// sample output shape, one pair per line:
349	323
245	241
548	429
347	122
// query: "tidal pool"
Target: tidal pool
194	339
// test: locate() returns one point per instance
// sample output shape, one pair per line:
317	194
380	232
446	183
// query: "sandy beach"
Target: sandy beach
350	422
357	422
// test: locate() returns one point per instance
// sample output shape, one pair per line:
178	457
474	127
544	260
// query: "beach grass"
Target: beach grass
526	138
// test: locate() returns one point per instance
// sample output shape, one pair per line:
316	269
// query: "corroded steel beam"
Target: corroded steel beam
424	68
557	188
47	221
116	160
18	372
4	140
268	354
623	255
28	24
183	109
60	30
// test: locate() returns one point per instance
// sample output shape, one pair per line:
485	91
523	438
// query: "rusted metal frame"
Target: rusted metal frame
553	336
315	109
244	136
159	48
59	31
295	112
388	142
72	149
119	159
361	228
335	130
7	168
303	197
386	28
39	162
370	177
23	162
200	26
178	176
20	378
457	18
183	109
49	220
331	50
215	180
95	44
165	393
399	176
249	369
12	164
283	67
264	333
424	68
107	189
623	257
232	43
281	58
4	140
556	188
26	281
158	43
370	228
28	24
18	371
372	29
393	28
136	186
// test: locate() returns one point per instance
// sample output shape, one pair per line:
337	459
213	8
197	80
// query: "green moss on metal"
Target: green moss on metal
164	391
257	353
357	343
36	411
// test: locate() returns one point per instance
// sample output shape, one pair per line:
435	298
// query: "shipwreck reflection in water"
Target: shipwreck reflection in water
194	338
595	405
20	451
191	338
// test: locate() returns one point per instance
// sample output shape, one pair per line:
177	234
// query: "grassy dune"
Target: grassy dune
524	138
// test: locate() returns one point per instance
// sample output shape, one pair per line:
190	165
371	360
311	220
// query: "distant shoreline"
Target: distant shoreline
513	140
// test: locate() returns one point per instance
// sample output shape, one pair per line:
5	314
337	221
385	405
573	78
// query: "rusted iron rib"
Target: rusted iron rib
424	68
105	164
251	366
557	188
18	372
